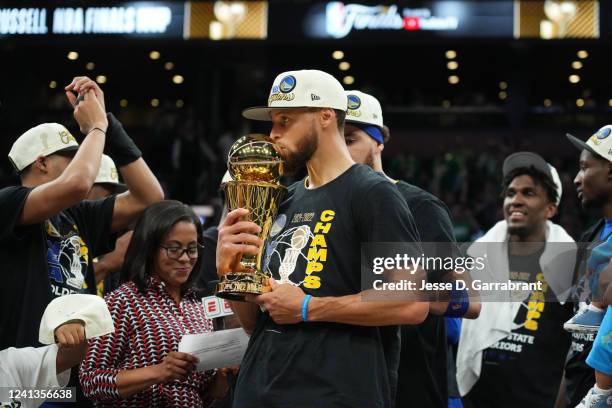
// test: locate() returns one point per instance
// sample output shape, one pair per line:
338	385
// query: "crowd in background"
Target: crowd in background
468	180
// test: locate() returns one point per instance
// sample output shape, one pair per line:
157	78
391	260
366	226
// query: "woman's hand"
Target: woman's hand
176	366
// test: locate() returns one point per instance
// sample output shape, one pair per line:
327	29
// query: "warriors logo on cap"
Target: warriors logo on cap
363	109
603	133
353	102
599	136
287	84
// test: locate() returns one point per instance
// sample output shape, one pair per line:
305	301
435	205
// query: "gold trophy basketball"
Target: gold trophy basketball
256	168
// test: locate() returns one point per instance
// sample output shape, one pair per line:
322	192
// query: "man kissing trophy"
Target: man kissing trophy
256	168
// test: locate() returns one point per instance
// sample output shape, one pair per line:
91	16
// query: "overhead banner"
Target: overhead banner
135	19
228	20
557	19
390	21
290	21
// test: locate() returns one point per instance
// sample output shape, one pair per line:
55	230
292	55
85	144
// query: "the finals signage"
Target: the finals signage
396	20
341	19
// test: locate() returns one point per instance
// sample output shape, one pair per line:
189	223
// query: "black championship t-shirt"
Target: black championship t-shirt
579	377
422	371
207	275
315	243
46	260
525	368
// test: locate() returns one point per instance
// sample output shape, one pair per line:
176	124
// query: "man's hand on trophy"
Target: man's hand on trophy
283	303
236	238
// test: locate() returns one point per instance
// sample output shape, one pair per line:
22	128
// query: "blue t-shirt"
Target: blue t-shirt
607	229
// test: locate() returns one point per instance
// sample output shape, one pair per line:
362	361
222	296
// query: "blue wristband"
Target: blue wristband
458	303
305	307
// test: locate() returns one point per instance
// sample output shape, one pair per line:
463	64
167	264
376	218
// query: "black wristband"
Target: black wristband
119	146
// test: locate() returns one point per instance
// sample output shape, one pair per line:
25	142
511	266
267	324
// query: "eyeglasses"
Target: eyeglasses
176	252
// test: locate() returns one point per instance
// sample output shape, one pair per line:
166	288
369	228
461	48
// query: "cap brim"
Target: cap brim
257	113
69	149
120	188
521	160
358	122
262	113
581	144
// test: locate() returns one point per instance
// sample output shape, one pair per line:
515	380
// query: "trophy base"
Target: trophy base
236	285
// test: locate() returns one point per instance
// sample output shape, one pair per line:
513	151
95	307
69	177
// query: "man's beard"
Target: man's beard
522	231
595	205
295	160
369	160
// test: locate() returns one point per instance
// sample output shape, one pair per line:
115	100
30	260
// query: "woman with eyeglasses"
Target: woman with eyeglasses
138	365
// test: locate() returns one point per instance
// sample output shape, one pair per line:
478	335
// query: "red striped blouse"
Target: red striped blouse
147	328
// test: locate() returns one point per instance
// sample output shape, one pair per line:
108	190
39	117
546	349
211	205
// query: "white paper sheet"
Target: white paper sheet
217	349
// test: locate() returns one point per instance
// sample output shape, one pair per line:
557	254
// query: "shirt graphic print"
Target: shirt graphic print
67	258
299	244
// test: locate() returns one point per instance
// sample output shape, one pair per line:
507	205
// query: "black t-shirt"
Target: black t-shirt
207	278
46	260
110	283
579	377
422	374
525	368
315	242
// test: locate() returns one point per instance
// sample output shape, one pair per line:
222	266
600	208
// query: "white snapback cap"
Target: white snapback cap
107	173
600	143
42	140
363	109
91	309
301	89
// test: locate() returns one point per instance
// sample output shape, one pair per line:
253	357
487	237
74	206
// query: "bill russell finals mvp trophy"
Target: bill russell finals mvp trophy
256	169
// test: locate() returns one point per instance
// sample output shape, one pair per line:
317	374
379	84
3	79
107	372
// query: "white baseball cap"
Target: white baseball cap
599	144
42	140
107	173
90	309
363	109
301	89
